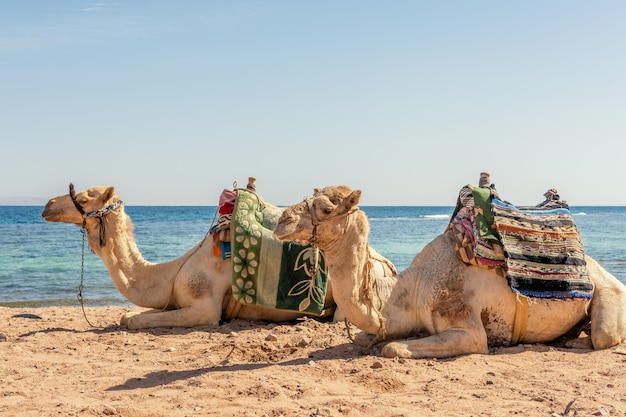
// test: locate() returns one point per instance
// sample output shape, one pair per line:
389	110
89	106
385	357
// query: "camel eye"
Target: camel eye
328	210
81	200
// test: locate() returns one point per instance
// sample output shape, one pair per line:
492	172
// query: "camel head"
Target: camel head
300	221
62	209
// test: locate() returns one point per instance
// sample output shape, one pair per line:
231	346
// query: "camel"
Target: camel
192	290
439	307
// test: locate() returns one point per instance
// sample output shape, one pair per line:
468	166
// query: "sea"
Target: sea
40	262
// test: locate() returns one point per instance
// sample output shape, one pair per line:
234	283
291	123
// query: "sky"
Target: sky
408	101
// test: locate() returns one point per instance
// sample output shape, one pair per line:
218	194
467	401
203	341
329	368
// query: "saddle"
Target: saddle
538	249
266	272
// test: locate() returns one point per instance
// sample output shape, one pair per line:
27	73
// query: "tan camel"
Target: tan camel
192	290
440	307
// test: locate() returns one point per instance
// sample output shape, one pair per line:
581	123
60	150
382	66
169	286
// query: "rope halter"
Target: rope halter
315	221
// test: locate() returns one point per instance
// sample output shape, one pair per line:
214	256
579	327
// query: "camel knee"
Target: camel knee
607	330
604	340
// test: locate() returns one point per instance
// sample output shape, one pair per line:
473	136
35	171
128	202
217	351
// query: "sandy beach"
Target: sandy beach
54	363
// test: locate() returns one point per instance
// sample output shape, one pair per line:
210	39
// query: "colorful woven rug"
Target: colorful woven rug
544	252
268	272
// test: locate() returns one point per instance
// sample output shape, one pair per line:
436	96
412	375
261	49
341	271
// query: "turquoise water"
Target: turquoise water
40	261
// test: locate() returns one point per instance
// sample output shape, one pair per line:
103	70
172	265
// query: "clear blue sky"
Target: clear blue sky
171	102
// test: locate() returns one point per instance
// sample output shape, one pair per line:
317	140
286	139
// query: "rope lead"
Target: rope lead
83	231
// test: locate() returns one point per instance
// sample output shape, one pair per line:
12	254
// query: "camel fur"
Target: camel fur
440	307
192	290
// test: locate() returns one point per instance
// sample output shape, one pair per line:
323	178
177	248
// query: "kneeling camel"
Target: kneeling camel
192	290
455	308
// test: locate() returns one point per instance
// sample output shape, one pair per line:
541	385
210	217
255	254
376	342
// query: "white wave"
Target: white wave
582	213
436	216
421	217
392	219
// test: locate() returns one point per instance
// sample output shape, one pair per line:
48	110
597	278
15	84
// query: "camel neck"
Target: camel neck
349	261
132	275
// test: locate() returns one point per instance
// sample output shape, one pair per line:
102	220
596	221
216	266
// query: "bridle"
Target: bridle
315	221
99	214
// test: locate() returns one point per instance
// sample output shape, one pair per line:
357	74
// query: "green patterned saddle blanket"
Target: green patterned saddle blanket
270	273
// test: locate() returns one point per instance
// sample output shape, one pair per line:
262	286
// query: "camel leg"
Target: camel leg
608	317
455	341
452	342
608	308
184	317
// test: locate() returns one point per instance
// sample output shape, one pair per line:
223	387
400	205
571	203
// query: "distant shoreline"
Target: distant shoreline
23	201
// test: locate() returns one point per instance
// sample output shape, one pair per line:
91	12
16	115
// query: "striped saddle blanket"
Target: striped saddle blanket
543	252
539	250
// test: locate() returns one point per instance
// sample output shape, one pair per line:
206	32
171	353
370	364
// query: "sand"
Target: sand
54	363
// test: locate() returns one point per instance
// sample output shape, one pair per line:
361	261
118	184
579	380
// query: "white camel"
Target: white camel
192	290
440	307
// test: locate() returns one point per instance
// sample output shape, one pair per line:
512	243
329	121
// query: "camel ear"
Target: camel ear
353	199
108	194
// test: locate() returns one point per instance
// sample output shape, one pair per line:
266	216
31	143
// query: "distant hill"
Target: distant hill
23	201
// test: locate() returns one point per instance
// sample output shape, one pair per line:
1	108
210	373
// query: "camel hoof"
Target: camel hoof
396	350
125	320
363	339
579	343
